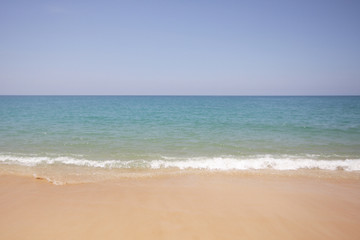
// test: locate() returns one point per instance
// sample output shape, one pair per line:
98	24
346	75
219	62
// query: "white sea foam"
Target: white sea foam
217	163
259	163
32	161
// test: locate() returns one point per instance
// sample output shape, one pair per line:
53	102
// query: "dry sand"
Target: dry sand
217	206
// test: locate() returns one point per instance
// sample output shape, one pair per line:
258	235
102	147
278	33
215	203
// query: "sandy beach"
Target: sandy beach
214	206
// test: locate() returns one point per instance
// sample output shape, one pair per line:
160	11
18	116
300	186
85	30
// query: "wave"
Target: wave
216	163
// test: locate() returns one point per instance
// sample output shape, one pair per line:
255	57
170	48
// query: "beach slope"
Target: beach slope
193	206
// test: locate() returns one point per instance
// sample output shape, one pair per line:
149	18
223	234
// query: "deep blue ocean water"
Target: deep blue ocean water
206	132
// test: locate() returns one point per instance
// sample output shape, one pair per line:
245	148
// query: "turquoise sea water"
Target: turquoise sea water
220	133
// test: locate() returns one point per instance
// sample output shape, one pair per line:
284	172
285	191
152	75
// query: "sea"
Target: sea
62	138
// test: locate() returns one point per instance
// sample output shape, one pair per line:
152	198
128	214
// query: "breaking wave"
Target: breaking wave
203	163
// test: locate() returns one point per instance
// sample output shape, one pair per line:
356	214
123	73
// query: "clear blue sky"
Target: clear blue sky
180	47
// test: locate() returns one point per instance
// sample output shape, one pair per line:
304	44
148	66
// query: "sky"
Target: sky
188	47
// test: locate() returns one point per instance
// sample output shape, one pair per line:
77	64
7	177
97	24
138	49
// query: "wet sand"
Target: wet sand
215	206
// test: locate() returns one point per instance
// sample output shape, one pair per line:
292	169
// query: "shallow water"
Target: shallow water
184	132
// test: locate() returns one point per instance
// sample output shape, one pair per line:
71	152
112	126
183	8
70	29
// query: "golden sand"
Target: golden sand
193	206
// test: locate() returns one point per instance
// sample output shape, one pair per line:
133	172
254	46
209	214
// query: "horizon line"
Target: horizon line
186	95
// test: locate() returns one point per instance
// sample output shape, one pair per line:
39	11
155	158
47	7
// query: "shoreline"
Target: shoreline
65	175
215	206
